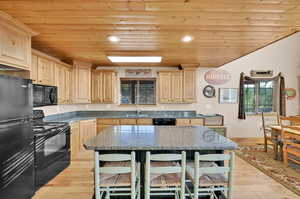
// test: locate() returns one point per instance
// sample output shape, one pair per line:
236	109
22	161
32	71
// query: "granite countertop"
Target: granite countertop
133	137
86	115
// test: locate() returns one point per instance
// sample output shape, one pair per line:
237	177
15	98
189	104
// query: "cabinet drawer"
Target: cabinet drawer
144	121
182	122
109	121
197	122
127	121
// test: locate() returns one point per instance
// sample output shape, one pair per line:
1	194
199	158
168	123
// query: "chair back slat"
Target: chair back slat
213	170
165	157
270	119
214	157
165	170
115	157
115	170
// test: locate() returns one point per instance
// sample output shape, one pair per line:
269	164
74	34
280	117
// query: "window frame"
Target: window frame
257	97
139	79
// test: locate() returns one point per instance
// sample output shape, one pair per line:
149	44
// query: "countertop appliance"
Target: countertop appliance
44	95
164	121
51	148
16	139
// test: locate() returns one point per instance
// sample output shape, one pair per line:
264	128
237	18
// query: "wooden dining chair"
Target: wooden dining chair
269	119
207	177
118	175
291	144
165	175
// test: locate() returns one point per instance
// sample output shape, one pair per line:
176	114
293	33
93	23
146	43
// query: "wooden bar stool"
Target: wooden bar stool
164	175
207	177
291	145
119	175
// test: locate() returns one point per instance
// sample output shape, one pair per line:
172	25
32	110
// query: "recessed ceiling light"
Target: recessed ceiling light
135	59
113	38
187	38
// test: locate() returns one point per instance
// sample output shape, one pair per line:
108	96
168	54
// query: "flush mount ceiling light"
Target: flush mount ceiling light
135	59
187	38
113	38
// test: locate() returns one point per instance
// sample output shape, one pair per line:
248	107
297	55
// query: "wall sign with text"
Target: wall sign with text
217	77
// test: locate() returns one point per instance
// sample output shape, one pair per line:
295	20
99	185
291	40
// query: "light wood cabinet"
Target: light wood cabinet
75	139
189	122
87	131
15	42
106	122
144	121
63	77
164	81
103	86
130	121
34	69
45	71
189	85
183	122
82	77
176	87
170	86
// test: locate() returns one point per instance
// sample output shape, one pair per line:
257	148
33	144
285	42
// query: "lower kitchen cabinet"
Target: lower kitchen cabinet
144	121
87	131
80	133
189	122
75	139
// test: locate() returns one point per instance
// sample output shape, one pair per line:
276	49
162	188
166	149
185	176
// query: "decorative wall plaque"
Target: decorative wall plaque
217	77
290	93
137	72
228	95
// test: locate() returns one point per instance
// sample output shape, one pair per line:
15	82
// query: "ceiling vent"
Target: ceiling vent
261	73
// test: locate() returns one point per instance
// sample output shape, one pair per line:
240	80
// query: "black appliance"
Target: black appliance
52	148
164	121
44	95
16	139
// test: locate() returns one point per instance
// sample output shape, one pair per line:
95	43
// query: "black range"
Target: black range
51	148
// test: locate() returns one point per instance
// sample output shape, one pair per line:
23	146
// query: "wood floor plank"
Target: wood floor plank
77	182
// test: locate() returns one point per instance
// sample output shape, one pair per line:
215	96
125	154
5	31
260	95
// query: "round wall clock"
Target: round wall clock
209	91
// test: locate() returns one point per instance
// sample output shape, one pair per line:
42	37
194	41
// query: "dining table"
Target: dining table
159	139
276	135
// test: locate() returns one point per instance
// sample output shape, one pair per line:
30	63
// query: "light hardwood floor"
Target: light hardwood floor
77	181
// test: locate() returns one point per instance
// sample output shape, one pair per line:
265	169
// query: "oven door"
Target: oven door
52	155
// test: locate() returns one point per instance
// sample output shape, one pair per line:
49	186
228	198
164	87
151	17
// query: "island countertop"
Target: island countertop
133	137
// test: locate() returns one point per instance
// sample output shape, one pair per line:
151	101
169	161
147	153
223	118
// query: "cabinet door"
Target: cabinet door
15	47
83	85
164	79
45	71
176	85
189	85
61	85
197	122
34	69
108	82
68	75
183	122
75	139
97	85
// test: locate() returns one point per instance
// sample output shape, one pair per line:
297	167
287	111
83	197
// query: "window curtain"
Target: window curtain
242	114
279	100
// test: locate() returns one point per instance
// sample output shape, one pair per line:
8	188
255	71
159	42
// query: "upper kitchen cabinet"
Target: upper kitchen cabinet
189	85
15	42
82	77
164	82
103	86
177	86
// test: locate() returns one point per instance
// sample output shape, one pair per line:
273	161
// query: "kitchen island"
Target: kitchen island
159	139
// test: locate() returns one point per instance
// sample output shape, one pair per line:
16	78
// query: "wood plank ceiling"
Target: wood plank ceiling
223	30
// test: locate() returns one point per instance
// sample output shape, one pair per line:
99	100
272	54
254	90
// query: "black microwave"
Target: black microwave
44	95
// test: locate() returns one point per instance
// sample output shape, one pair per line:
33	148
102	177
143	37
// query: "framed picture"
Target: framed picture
228	95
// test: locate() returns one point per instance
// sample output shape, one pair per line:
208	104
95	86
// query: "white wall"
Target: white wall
282	56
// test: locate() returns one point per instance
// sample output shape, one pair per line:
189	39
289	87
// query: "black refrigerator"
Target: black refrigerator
16	139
